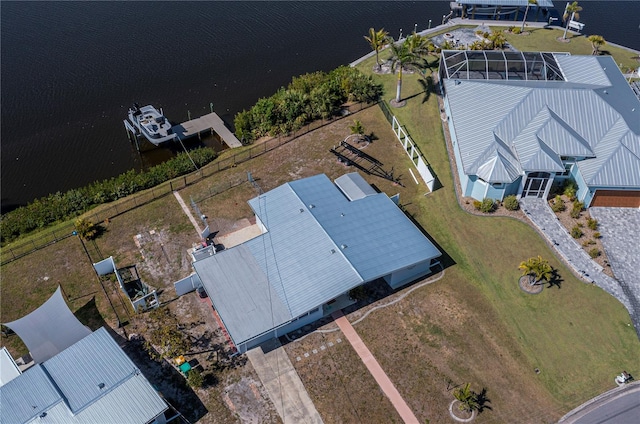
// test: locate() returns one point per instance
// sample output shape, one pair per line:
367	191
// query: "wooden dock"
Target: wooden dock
208	122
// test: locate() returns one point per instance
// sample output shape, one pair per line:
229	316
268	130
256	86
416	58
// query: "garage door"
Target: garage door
616	198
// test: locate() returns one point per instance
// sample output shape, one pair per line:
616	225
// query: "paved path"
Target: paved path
374	368
620	229
188	213
283	384
617	406
543	218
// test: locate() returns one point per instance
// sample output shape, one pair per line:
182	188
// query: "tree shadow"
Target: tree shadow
428	87
555	280
483	401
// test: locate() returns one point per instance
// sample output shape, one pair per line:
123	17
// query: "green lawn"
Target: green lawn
578	334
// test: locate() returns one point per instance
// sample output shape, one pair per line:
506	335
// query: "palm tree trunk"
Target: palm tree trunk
526	11
399	86
564	37
377	60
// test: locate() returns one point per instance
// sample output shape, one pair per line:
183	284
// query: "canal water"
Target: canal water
70	70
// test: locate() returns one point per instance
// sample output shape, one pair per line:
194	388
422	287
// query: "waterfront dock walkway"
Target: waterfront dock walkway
208	122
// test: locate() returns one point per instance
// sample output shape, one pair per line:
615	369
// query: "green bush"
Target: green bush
477	204
570	188
596	235
592	223
317	95
511	203
557	204
576	232
594	253
577	209
487	205
58	207
516	30
194	378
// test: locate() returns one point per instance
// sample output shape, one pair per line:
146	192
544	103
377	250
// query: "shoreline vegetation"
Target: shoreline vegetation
308	97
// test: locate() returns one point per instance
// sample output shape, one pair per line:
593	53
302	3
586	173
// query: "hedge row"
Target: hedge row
308	97
62	206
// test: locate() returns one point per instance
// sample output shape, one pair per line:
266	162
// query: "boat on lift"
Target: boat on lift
151	123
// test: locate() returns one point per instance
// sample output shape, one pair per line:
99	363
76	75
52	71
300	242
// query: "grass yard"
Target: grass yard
483	314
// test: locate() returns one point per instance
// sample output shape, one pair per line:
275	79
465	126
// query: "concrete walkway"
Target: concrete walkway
188	213
543	218
374	368
283	384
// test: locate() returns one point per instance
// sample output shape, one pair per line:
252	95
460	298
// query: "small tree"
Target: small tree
468	398
357	127
538	268
571	11
86	229
377	40
597	41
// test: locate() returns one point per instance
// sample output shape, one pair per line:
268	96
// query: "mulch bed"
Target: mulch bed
526	285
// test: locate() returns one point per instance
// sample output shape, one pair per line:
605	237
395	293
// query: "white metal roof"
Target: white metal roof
538	122
541	3
8	368
354	186
318	245
93	381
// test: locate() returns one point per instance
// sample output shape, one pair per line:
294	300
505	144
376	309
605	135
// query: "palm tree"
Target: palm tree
497	39
527	11
407	54
377	40
597	41
538	268
468	398
571	11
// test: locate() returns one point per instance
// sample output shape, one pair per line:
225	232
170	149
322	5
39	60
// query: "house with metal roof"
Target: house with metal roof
92	381
521	120
319	241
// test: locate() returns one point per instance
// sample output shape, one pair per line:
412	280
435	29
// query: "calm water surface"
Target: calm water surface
70	70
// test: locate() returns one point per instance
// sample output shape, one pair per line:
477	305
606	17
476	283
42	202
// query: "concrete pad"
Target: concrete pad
283	384
240	236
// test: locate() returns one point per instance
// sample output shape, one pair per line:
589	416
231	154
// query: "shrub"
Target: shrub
577	209
557	204
580	224
86	229
592	223
597	235
570	188
516	30
477	204
576	232
487	205
511	203
194	378
594	253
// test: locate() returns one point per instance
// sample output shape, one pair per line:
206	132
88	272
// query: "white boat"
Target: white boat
151	123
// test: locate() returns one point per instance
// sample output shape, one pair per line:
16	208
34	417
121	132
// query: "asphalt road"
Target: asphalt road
621	409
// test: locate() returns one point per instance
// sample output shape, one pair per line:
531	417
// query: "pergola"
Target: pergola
500	65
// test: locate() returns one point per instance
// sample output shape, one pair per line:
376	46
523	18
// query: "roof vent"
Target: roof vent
342	214
458	82
333	251
311	206
343	246
301	210
44	414
605	92
101	386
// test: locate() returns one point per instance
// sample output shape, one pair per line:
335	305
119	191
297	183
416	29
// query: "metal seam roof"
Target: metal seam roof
576	121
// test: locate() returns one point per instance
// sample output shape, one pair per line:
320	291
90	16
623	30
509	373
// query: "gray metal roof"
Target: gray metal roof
66	387
27	396
537	122
541	3
241	293
354	186
318	246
